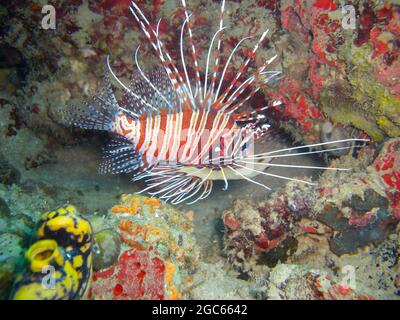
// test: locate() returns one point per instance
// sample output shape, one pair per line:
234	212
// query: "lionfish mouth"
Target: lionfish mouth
174	136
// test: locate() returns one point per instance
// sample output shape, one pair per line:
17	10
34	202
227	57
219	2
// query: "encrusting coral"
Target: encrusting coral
158	252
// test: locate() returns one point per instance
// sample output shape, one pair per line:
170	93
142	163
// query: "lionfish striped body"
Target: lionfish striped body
181	139
176	137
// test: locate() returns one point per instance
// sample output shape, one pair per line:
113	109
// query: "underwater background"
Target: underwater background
67	232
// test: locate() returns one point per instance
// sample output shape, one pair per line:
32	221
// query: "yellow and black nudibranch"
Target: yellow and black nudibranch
59	262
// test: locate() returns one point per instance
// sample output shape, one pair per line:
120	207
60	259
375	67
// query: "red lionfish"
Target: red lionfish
178	138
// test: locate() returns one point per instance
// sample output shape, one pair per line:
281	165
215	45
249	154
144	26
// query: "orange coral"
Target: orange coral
125	225
153	203
159	233
139	230
129	233
132	204
133	209
174	294
132	243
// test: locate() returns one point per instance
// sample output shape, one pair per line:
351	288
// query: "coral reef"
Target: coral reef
352	68
346	212
339	80
142	249
158	252
334	72
146	222
258	235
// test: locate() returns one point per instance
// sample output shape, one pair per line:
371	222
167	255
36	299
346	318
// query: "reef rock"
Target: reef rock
352	208
158	252
106	249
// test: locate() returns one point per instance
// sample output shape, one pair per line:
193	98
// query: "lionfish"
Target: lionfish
181	134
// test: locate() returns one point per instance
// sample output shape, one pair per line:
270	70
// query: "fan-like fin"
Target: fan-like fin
97	113
160	80
120	156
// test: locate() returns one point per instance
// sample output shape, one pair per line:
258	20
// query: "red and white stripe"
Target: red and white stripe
185	137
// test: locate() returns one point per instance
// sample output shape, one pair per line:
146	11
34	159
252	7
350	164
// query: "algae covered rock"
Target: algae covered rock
10	255
296	282
10	246
364	208
19	224
106	249
262	234
350	209
358	221
100	222
371	200
145	222
7	274
4	216
22	225
215	282
8	174
15	232
4	209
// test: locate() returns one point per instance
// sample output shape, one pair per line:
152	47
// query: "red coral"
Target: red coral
326	23
384	14
136	276
230	222
367	20
325	5
264	244
394	23
387	166
115	5
315	78
297	105
380	46
385	160
392	179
